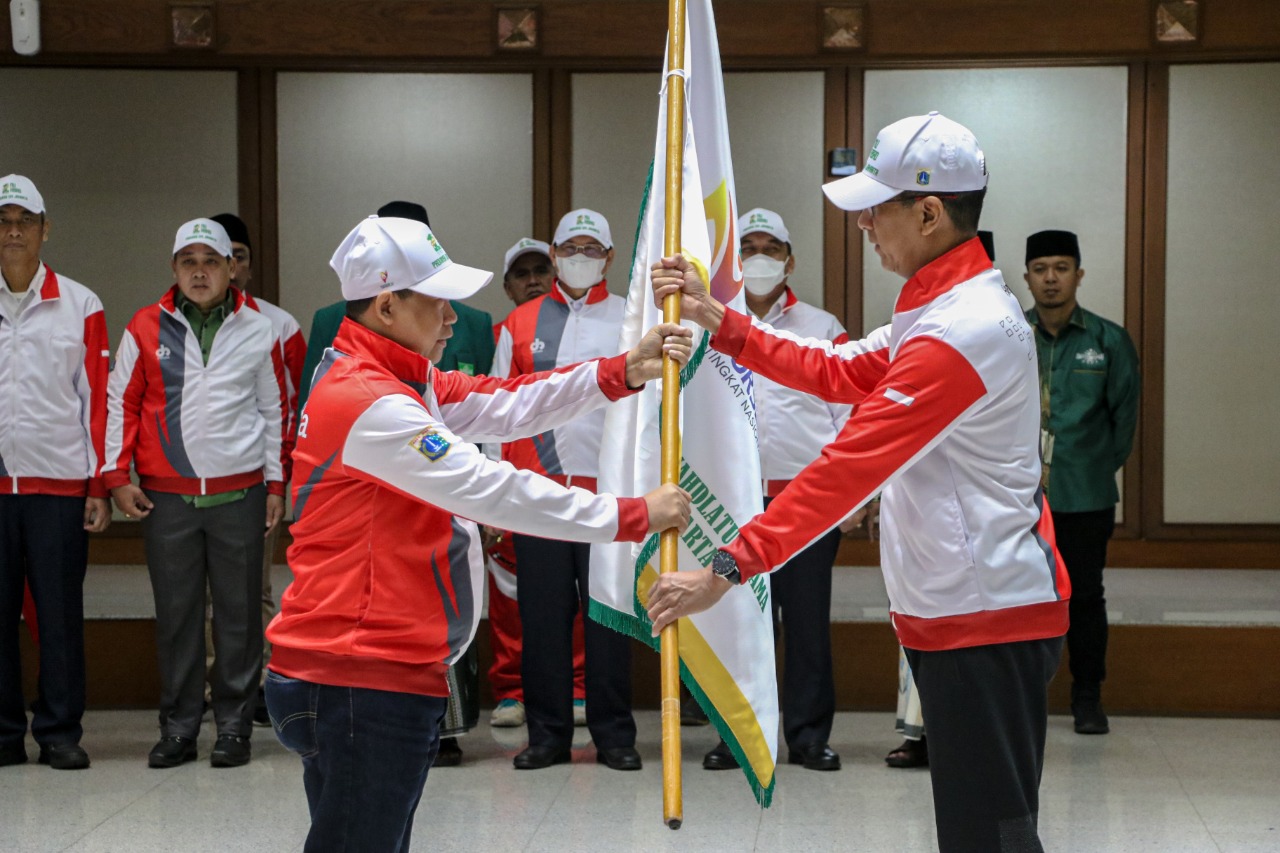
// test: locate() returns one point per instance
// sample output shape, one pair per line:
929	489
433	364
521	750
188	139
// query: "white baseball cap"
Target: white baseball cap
204	231
759	219
583	221
389	253
16	189
929	153
524	246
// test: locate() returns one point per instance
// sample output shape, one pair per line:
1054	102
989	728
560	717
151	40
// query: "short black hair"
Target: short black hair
357	307
964	208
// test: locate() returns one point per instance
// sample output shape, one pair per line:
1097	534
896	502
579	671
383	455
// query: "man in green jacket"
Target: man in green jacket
1089	385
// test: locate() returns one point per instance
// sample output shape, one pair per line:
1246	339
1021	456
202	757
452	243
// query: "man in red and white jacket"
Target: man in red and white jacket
291	348
792	428
195	404
527	273
577	319
388	571
947	428
53	384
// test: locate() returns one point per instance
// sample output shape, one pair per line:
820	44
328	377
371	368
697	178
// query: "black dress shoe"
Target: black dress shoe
619	758
64	756
171	751
1086	708
449	754
719	758
13	753
230	751
538	757
912	753
815	756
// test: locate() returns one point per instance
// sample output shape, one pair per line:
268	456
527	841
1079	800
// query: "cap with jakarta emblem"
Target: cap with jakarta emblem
582	222
15	189
929	153
389	253
524	246
204	231
759	220
1049	244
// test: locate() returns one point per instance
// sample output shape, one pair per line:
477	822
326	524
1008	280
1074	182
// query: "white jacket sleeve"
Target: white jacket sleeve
397	442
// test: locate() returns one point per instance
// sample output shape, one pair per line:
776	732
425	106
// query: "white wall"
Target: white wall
1222	402
775	128
1054	139
459	144
122	159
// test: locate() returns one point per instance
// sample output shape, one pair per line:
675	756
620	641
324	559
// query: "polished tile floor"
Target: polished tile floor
1154	784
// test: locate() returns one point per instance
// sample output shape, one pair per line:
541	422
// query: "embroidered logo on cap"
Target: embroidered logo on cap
430	444
922	177
383	275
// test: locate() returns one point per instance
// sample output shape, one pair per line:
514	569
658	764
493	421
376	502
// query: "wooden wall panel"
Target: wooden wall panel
1152	670
605	34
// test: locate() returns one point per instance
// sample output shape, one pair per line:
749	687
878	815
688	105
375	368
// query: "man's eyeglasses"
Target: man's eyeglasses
24	221
592	250
525	272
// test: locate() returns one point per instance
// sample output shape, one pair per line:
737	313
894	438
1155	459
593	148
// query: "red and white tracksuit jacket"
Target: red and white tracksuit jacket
793	427
191	428
553	331
54	360
293	354
947	427
387	568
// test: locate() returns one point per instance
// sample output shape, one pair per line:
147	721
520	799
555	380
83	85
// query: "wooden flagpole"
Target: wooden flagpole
672	794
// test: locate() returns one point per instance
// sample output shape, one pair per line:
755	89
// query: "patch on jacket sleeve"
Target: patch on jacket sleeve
430	444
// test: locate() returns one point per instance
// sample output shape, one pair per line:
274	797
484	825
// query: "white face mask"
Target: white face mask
762	274
579	271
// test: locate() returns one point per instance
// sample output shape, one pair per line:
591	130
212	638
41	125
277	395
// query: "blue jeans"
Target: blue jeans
365	756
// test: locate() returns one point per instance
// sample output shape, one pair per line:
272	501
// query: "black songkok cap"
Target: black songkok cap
1044	244
405	210
989	243
235	228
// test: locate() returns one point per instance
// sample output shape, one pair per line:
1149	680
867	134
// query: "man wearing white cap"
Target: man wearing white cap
53	379
793	427
527	273
194	404
946	425
577	319
387	566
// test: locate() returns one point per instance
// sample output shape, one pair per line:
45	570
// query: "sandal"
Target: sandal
912	753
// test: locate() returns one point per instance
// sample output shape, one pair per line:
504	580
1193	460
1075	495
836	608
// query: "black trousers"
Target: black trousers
1082	540
986	711
43	544
802	607
187	548
553	582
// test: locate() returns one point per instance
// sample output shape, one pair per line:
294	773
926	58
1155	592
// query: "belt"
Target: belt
566	480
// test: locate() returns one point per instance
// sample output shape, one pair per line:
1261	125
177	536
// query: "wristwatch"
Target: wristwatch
725	566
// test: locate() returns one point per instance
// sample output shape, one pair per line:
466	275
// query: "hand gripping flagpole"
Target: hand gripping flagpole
672	796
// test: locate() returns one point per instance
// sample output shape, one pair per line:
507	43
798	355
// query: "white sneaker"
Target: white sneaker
508	714
579	712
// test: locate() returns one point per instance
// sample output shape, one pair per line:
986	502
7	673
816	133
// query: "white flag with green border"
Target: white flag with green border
726	653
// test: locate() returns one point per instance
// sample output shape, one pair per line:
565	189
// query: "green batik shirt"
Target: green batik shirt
205	327
1089	385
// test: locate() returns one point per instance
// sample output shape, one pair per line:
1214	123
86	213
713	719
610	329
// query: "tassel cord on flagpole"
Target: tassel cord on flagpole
672	793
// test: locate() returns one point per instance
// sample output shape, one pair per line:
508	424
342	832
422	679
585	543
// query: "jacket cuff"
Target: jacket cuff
749	563
115	479
97	488
275	487
732	336
611	374
633	520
